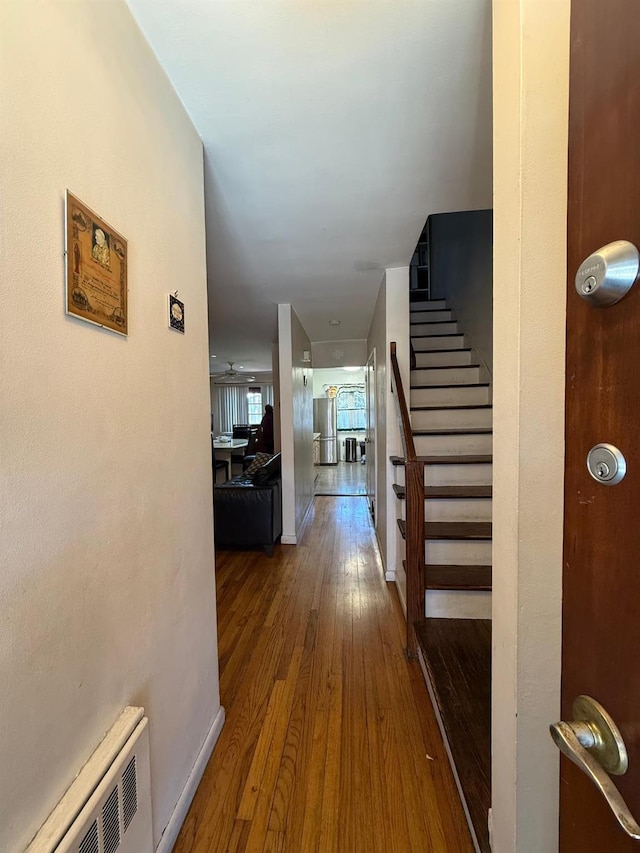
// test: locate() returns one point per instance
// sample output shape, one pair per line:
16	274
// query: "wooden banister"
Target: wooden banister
414	505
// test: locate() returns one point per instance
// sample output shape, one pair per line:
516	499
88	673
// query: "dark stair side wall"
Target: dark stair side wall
461	267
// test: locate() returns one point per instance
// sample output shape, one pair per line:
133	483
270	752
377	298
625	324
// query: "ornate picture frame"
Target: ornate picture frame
96	268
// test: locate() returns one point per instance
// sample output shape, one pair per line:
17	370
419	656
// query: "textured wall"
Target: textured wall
390	323
107	592
531	76
296	423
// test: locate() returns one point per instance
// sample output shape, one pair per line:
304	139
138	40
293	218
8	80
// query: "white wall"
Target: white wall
275	359
296	423
530	157
107	583
390	322
336	354
461	267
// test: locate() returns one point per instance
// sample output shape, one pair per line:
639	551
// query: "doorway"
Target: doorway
340	421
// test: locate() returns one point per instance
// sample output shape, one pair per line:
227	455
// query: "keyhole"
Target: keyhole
602	470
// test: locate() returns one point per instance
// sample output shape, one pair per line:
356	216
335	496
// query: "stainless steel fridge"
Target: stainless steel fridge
325	422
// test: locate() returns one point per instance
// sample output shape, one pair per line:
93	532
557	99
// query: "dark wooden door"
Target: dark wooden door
601	603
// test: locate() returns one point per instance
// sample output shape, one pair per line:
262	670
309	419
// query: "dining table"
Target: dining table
224	449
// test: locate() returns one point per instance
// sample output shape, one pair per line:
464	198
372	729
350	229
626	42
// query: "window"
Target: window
351	408
254	405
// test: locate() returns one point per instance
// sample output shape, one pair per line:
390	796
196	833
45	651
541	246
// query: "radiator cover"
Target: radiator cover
107	809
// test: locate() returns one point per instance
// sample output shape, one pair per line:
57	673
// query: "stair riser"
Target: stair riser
479	474
433	329
458	475
434	445
445	376
431	303
457	604
453	509
451	418
430	316
443	359
459	396
458	552
438	342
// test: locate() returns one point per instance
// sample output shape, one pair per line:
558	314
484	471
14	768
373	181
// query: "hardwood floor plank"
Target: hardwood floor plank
330	743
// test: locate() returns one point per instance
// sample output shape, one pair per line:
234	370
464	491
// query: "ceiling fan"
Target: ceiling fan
232	377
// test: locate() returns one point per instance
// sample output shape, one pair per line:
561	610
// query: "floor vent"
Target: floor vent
108	812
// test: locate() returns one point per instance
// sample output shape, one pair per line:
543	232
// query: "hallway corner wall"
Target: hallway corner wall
107	589
531	88
390	322
296	423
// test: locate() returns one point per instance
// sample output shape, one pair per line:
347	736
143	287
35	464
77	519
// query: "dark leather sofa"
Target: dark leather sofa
248	508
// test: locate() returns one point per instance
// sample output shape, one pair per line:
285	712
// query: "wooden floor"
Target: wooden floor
457	654
330	743
345	478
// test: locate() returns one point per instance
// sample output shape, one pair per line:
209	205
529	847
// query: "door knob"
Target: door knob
608	274
594	743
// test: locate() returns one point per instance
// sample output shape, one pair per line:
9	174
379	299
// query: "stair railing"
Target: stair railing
414	510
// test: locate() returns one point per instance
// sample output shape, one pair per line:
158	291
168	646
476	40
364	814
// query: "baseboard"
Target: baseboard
179	813
288	540
380	551
305	518
402	597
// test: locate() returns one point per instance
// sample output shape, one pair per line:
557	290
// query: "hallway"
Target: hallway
330	743
345	478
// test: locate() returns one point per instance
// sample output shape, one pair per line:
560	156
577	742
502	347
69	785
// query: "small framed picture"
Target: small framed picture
176	314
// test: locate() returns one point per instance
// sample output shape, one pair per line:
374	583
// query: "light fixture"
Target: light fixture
351	369
214	356
334	322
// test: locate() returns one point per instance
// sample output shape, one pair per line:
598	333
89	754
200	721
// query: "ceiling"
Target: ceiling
331	131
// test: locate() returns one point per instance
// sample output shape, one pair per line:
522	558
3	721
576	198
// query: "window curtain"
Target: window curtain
267	395
351	407
229	407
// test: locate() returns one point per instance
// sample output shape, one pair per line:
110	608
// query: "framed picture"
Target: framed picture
96	268
176	313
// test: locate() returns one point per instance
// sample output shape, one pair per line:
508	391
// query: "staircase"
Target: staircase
451	425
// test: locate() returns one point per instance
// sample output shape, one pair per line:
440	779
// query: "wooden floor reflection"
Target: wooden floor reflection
345	478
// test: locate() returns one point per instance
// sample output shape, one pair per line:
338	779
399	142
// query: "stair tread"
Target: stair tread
442	408
468	459
413	304
456	577
452	530
431	492
440	351
445	335
448	366
431	322
457	655
455	385
454	431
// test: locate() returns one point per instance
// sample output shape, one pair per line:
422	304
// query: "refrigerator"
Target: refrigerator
325	422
